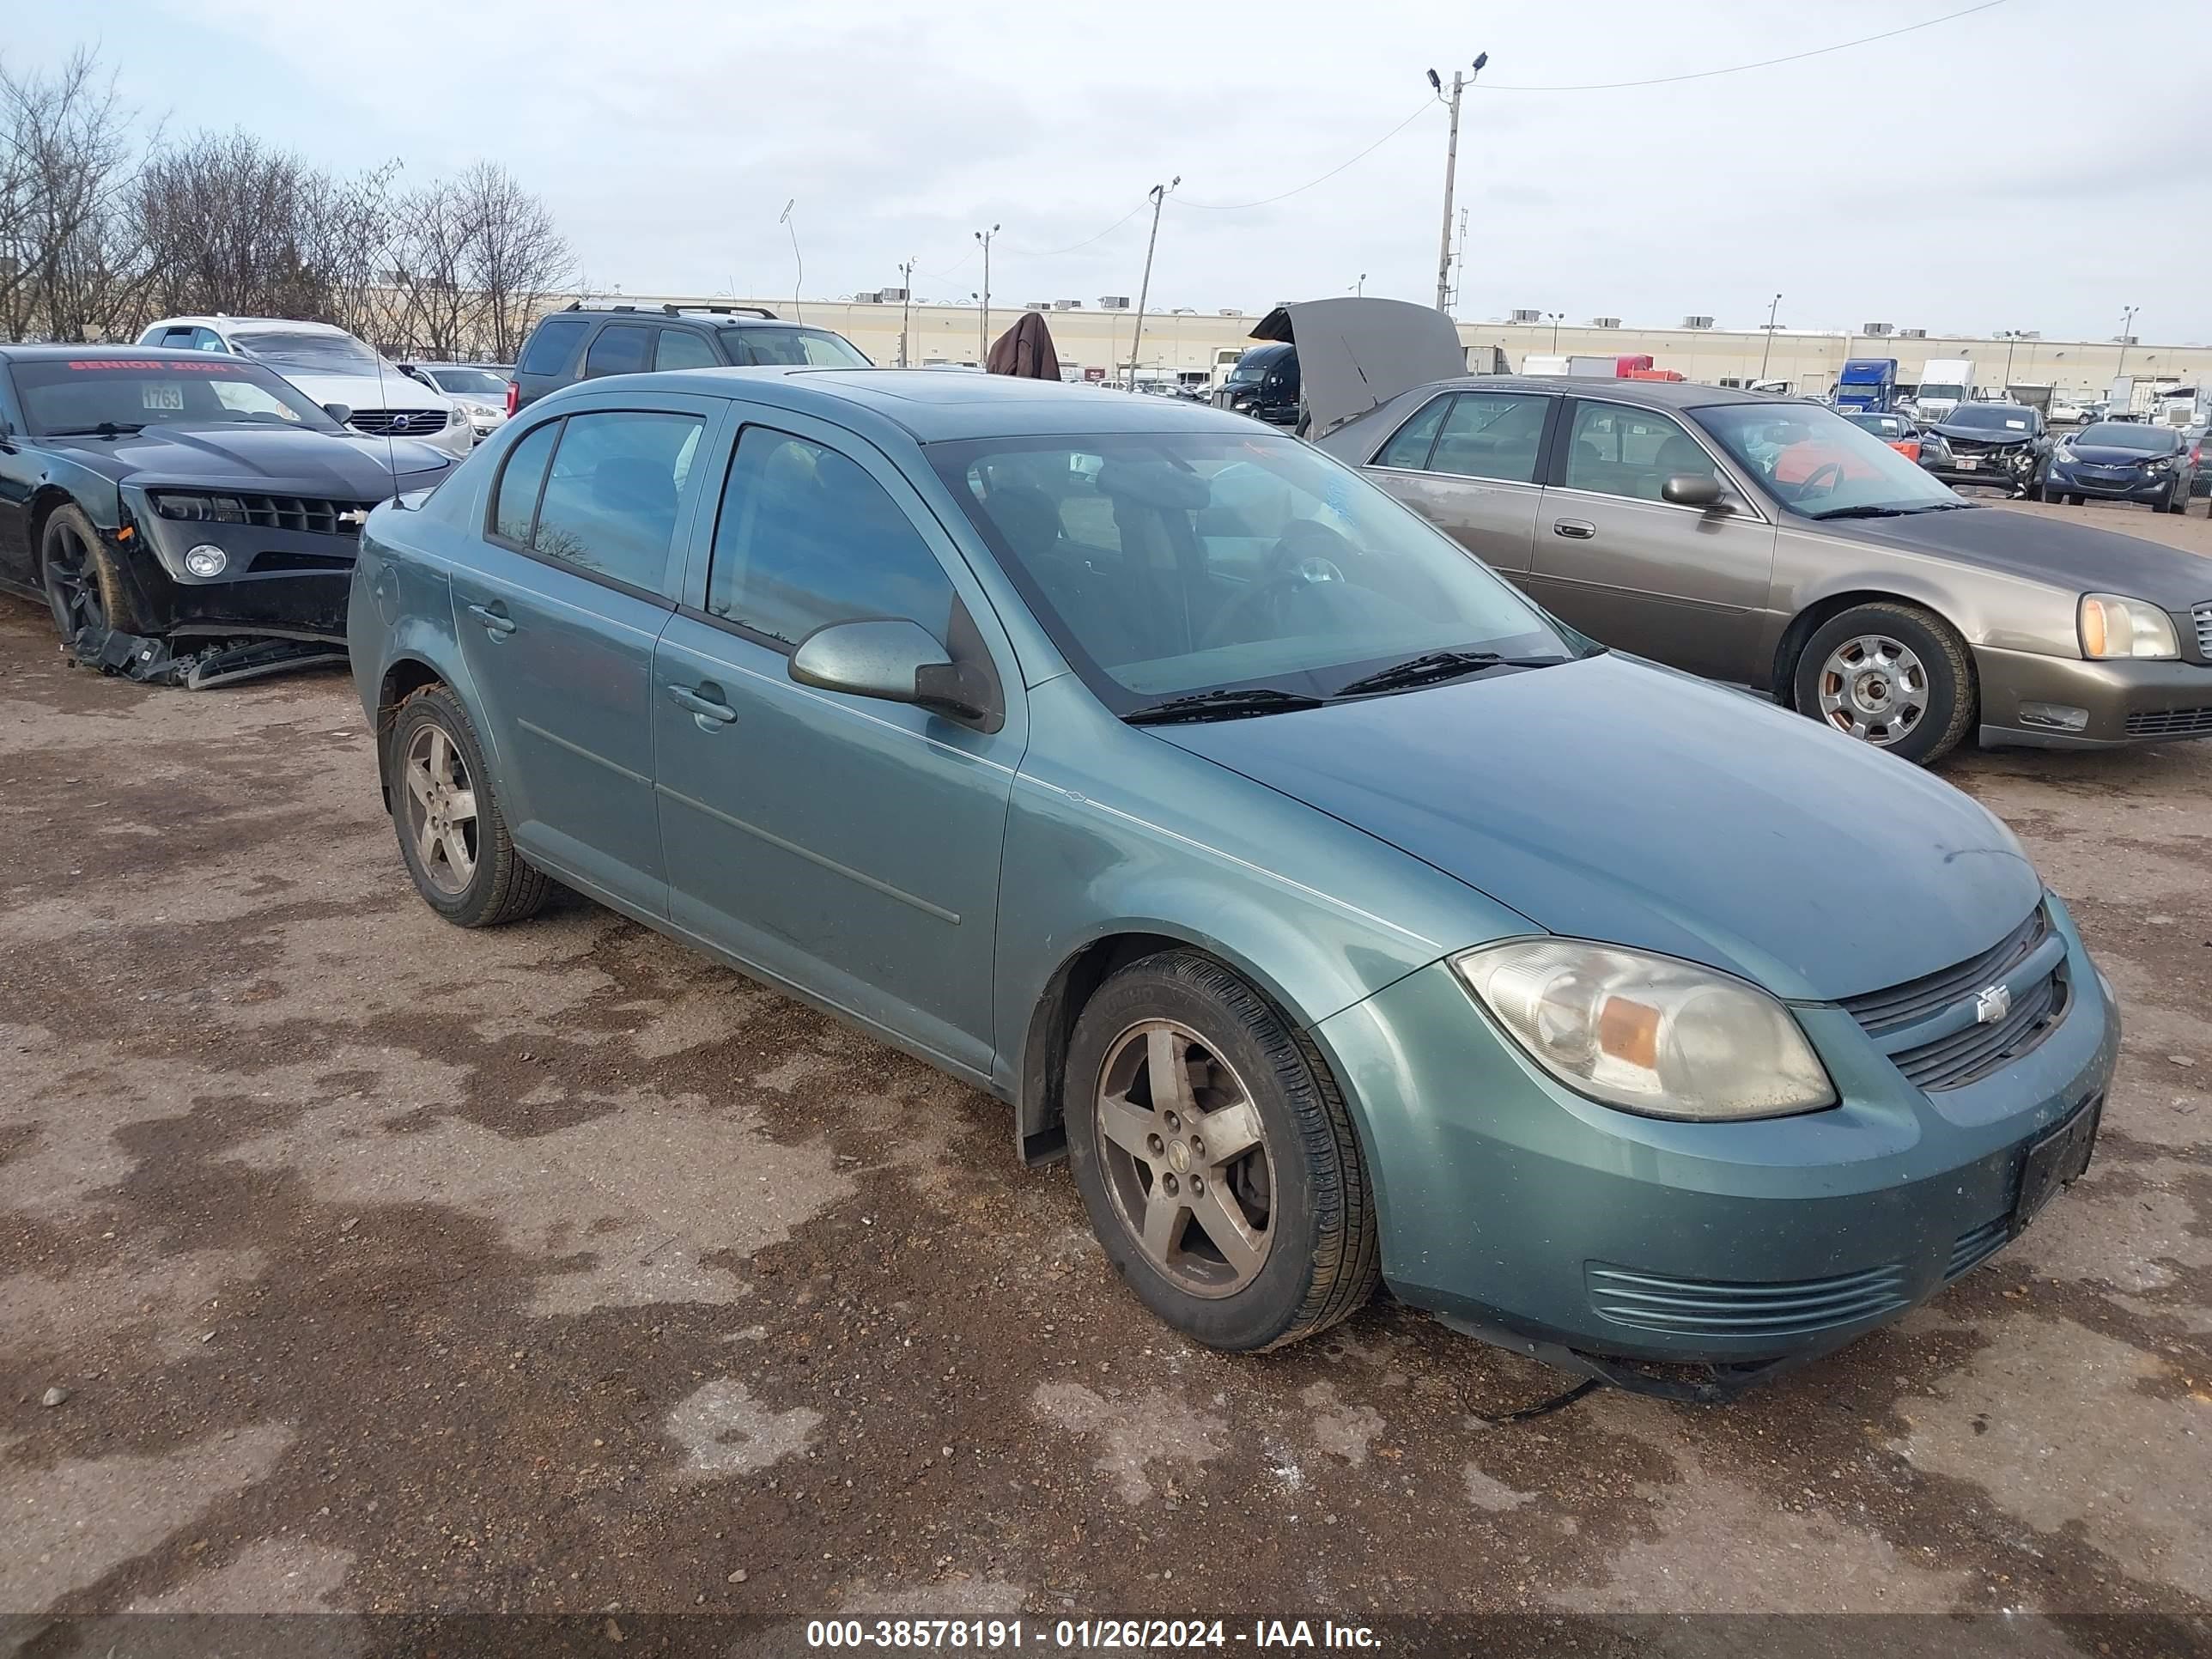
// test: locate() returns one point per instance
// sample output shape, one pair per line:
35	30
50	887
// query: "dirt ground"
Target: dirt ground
390	1267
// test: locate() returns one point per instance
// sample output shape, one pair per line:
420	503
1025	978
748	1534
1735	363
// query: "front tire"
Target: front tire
446	814
2178	503
85	589
1892	675
1217	1157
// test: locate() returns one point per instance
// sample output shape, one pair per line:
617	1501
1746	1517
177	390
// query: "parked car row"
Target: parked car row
1341	911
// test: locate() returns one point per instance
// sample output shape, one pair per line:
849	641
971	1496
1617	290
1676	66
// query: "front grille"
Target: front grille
399	423
1971	1249
313	515
266	563
1968	1056
2169	723
1879	1012
1694	1307
2202	615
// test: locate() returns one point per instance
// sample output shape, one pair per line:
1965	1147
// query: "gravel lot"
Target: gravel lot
389	1268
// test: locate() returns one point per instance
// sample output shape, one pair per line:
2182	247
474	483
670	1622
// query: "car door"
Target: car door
574	579
845	845
619	349
1466	461
1681	585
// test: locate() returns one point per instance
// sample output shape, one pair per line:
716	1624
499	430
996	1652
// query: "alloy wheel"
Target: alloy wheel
1873	687
441	811
1184	1153
73	585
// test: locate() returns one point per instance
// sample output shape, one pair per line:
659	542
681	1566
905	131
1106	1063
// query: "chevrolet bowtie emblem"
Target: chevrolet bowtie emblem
1992	1004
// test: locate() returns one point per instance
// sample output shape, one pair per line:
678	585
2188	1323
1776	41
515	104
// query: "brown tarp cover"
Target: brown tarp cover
1025	350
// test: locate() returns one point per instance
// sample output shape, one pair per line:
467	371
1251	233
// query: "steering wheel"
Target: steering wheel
1299	561
1811	484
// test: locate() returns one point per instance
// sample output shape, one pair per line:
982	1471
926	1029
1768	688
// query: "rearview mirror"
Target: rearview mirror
1699	490
894	660
342	413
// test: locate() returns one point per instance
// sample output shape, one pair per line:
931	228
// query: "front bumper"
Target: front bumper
280	584
1515	1208
2013	472
2130	485
2107	704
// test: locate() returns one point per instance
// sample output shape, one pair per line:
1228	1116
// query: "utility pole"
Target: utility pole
983	318
1768	351
1555	317
798	264
1459	262
1159	195
906	311
2012	337
2127	328
1459	82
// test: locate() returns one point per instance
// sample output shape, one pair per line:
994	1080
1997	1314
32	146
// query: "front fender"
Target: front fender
400	635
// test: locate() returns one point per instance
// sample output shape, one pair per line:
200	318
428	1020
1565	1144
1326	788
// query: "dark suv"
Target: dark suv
580	344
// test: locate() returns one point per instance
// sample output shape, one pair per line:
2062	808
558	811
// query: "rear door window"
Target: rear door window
610	499
552	350
680	348
805	538
514	508
1492	434
621	348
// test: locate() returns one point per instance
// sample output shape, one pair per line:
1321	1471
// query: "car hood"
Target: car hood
1610	800
283	459
2063	552
2113	455
392	391
1355	355
1983	434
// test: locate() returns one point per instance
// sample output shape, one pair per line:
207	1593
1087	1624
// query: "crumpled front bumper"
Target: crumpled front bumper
1987	470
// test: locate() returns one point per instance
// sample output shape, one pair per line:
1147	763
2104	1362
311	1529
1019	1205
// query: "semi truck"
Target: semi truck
1868	384
1945	383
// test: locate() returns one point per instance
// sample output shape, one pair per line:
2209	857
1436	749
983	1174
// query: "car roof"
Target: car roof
248	322
80	353
725	318
1651	394
932	407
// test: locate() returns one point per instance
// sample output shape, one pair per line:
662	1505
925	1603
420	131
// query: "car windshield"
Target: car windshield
1942	394
1179	565
1820	465
1882	426
468	382
2127	434
1250	366
1993	417
311	353
83	394
812	348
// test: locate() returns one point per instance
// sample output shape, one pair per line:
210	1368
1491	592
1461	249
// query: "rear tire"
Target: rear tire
2072	500
2178	503
1863	672
1176	1051
446	814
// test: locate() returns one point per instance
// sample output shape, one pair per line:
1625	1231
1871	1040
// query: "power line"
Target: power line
1143	202
1238	207
1764	62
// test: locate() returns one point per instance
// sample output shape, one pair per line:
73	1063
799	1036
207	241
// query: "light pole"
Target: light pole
1159	195
1769	350
1360	288
983	318
798	264
906	309
2127	328
2012	337
1451	171
1557	317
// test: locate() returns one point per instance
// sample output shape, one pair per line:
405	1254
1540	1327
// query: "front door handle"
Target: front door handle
1578	529
494	618
713	712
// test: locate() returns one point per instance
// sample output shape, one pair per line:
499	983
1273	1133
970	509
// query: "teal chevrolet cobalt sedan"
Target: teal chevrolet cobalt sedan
1338	915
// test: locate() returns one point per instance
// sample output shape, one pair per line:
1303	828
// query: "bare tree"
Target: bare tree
432	245
518	258
67	160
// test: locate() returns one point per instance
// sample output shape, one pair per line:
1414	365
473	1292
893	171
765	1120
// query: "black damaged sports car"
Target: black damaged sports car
187	518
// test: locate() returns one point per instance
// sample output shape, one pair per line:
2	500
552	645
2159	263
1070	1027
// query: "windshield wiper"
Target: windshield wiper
1221	706
1888	512
1434	666
105	429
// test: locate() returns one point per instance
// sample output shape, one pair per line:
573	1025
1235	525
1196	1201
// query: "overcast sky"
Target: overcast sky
2038	165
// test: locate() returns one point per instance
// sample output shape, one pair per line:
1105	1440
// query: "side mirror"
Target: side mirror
894	660
342	413
1699	490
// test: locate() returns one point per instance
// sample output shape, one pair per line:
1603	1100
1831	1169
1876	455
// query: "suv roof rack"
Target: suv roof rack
722	311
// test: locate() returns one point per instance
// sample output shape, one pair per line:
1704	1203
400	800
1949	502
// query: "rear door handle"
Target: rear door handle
1578	529
708	708
494	618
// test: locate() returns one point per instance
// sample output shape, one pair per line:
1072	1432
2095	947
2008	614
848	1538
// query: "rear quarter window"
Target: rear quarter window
552	350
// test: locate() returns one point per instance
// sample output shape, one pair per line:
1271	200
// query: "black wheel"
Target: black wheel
448	817
1892	675
84	589
2072	500
2033	491
1217	1158
2178	502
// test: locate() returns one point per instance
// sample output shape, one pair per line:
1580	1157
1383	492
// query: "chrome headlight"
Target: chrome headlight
2113	627
2065	452
1648	1034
